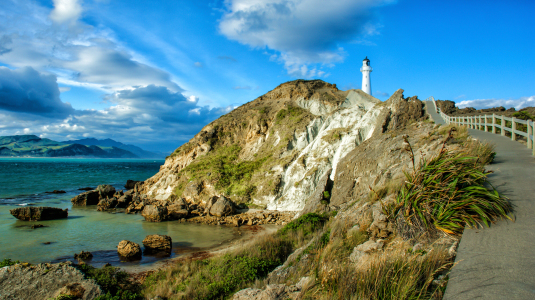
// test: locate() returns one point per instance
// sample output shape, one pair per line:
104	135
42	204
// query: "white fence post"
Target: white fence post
486	128
513	128
493	123
530	132
503	126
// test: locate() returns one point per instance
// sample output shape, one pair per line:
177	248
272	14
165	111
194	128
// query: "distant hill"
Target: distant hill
32	145
111	143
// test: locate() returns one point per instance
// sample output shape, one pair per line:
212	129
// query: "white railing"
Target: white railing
486	122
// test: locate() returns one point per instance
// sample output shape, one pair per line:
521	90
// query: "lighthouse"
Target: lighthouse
366	82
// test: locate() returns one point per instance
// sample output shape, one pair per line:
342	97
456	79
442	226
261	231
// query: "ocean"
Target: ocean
25	181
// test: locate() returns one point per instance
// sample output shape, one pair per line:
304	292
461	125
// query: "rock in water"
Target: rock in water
129	250
39	213
56	192
87	198
84	255
222	207
154	213
157	243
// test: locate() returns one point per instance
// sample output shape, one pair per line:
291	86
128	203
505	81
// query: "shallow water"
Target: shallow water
25	181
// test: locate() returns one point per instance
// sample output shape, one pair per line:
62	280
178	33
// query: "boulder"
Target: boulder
105	191
222	207
39	213
176	212
317	202
86	189
209	204
130	184
154	213
87	198
83	256
129	250
157	243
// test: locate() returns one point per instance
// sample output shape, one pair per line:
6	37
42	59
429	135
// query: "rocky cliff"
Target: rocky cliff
273	151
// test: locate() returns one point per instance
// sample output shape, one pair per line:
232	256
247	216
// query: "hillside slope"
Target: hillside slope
273	151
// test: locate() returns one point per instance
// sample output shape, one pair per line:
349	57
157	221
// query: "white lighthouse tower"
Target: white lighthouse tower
366	81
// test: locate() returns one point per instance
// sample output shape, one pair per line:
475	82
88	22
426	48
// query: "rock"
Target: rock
209	204
381	227
106	204
105	191
418	247
129	250
175	212
363	250
37	226
157	243
84	255
39	213
56	192
154	213
74	290
46	281
314	202
87	198
86	189
124	201
222	207
130	184
272	292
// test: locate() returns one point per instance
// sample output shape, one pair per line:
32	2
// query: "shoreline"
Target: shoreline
246	233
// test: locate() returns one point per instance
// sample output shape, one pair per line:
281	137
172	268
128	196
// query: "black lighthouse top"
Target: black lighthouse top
367	61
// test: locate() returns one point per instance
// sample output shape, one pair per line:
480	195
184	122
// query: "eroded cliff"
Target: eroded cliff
273	151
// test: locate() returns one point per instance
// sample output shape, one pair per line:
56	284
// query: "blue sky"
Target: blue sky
154	73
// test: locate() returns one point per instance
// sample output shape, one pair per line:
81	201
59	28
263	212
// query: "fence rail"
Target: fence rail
489	123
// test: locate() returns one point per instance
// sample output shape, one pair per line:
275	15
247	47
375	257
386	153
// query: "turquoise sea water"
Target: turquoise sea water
25	181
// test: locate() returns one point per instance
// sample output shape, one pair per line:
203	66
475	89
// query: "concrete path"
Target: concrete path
499	262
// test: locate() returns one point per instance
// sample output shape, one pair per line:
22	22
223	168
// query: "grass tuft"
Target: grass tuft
447	193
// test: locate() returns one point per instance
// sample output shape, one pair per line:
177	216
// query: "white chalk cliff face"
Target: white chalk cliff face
288	139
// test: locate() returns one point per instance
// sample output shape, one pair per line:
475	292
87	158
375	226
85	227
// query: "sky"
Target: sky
153	73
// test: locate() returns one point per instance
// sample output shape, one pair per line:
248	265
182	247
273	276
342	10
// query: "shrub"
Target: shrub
114	282
8	262
446	193
308	223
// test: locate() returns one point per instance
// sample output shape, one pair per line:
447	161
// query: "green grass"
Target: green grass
447	193
221	276
293	112
309	223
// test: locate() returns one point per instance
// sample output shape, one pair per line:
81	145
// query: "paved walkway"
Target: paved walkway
499	262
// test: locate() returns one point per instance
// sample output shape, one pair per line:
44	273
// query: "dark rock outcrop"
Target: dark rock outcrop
317	202
129	250
400	112
83	256
105	191
155	243
46	281
130	184
87	198
56	192
39	213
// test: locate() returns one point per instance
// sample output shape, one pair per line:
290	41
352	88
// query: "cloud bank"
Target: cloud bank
488	103
303	32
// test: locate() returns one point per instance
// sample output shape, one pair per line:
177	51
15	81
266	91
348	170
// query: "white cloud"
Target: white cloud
303	31
66	11
488	103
